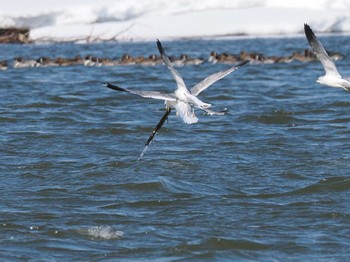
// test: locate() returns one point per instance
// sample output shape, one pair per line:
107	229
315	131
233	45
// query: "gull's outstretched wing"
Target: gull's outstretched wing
213	78
178	78
155	130
320	52
146	94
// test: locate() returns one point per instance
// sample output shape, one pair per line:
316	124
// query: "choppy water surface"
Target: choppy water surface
269	181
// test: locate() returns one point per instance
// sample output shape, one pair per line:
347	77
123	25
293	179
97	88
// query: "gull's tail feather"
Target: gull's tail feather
186	112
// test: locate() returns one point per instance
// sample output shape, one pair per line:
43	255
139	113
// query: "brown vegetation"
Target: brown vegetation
14	35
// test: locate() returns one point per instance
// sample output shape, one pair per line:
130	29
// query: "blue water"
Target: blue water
269	181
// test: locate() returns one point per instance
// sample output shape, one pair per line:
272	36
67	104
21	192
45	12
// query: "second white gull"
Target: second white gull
332	77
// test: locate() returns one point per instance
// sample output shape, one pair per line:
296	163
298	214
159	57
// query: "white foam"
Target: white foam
103	232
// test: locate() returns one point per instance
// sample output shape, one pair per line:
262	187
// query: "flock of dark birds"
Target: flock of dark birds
306	55
185	100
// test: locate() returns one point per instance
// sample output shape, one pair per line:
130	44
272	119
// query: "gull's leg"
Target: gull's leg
154	132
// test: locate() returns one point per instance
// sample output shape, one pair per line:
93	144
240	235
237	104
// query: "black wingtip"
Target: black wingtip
160	47
309	33
306	28
114	87
244	63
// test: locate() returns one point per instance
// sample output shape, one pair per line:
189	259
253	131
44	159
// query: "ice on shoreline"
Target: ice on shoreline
149	19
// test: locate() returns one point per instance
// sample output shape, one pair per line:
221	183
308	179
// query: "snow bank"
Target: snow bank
149	19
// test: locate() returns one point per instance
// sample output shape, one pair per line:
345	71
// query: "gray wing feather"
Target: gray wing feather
146	94
320	52
179	81
204	84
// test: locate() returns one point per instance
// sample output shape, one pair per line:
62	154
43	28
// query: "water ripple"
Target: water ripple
268	180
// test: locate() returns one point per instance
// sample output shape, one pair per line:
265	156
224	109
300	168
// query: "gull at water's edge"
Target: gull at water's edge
183	100
332	77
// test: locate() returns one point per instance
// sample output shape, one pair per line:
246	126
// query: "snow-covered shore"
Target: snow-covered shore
150	19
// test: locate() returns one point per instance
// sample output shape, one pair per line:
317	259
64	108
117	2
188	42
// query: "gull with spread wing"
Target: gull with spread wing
183	100
332	77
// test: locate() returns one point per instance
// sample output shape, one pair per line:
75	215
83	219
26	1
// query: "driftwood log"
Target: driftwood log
14	35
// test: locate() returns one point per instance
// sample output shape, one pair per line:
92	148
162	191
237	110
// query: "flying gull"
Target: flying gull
332	77
183	100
